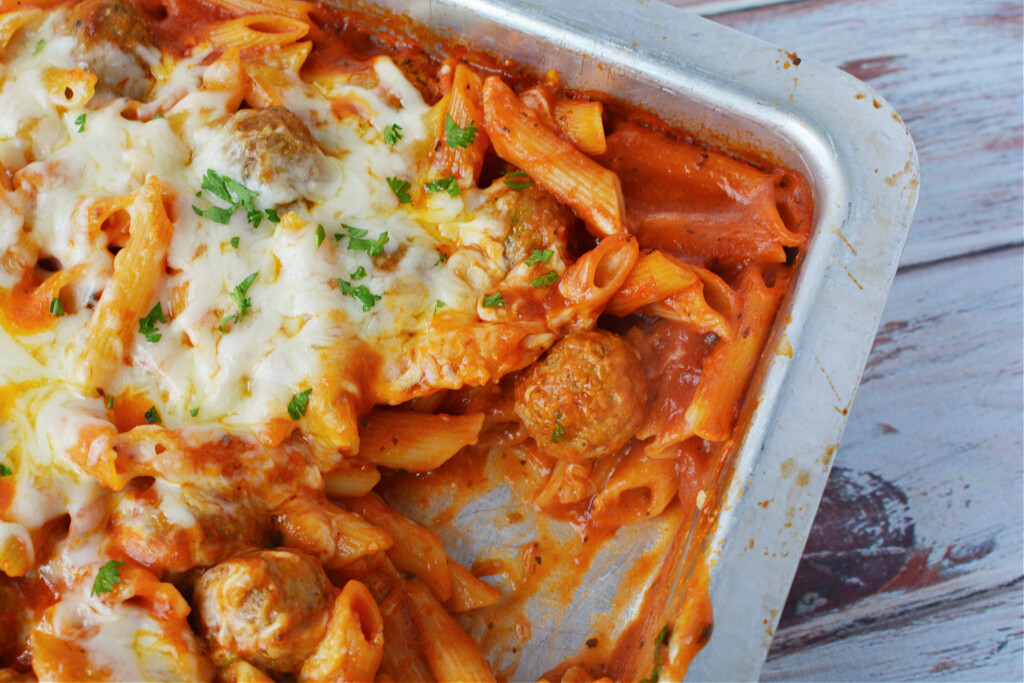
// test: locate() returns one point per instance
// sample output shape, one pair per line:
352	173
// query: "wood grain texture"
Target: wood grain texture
938	416
978	638
953	70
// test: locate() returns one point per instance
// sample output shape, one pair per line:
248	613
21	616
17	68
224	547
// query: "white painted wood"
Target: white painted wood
977	639
938	414
953	70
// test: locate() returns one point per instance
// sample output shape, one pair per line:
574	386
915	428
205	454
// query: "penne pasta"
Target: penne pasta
581	121
416	442
352	648
258	31
521	137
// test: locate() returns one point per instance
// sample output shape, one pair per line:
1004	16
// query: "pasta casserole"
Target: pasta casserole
275	275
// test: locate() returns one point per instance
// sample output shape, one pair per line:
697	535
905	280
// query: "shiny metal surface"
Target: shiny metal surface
861	163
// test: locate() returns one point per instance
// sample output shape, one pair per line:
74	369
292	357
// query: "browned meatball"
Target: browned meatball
269	607
273	147
108	35
175	530
585	398
538	221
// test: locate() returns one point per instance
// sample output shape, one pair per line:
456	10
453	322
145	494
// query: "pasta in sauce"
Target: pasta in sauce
275	278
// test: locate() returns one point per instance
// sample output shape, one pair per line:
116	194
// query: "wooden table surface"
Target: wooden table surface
914	567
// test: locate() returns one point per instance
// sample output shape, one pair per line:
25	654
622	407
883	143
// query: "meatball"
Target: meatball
585	398
109	34
274	149
170	528
538	221
269	607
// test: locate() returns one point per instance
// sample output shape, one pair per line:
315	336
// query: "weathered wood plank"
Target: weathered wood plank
977	639
935	431
953	70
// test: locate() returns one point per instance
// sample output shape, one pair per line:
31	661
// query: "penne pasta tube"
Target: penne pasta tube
258	31
521	137
333	536
137	269
401	658
415	442
352	648
582	122
450	653
292	8
469	592
638	488
11	21
415	549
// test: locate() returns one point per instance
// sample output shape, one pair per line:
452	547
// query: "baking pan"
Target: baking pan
737	92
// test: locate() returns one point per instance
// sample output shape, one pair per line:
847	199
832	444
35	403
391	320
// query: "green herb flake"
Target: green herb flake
235	241
558	433
194	412
235	194
401	189
442	258
153	416
496	300
321	235
439	305
449	185
546	280
39	46
56	308
518	184
80	122
110	402
358	274
361	293
106	578
244	303
299	404
5	471
539	256
658	642
156	116
357	242
147	325
392	134
456	136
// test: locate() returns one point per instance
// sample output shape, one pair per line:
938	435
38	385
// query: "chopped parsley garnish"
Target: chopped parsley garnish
56	307
153	416
558	433
495	300
546	280
658	642
357	241
147	325
157	116
539	256
299	403
518	184
438	306
449	185
454	136
244	303
80	122
110	402
106	578
321	234
358	274
39	46
5	471
442	258
235	194
235	241
401	189
364	295
194	412
392	134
